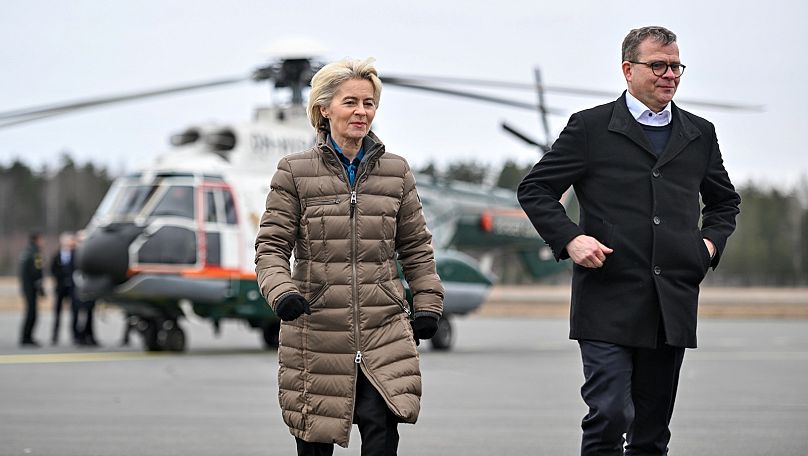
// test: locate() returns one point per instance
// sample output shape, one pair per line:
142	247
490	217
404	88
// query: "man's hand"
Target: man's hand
587	251
40	290
710	247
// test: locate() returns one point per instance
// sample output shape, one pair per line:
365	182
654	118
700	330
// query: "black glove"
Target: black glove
424	325
292	306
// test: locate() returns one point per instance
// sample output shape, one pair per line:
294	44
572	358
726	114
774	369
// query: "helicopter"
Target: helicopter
178	235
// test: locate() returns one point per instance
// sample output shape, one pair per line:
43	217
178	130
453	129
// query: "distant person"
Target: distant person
84	322
347	209
30	273
639	166
62	267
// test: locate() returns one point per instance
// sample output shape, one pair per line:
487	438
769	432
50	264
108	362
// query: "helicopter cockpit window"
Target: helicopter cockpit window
211	214
131	200
230	208
178	201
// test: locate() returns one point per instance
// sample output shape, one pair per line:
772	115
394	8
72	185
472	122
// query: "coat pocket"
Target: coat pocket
314	296
321	201
604	232
703	252
398	299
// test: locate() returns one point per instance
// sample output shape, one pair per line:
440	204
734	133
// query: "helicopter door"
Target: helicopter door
221	227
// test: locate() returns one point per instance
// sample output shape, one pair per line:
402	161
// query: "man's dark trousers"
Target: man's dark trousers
29	321
628	390
62	293
76	309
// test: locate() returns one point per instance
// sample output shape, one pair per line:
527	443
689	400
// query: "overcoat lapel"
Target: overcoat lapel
622	122
682	134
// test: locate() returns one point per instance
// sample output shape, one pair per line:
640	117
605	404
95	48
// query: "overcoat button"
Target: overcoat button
657	220
657	270
656	173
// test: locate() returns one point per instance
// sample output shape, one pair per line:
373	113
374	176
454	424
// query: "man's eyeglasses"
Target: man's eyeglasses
659	68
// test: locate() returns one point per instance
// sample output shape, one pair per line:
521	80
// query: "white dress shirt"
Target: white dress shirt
65	254
644	115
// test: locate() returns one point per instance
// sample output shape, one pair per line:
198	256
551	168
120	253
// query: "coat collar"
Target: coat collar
374	148
682	133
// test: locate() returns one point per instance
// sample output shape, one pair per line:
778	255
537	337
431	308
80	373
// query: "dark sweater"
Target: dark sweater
658	136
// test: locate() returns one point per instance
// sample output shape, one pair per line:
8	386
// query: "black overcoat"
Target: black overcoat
644	207
63	272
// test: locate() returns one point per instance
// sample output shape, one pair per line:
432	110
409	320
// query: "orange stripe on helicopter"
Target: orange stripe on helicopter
208	272
487	217
213	272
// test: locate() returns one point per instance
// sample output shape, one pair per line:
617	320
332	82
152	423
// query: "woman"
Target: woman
346	208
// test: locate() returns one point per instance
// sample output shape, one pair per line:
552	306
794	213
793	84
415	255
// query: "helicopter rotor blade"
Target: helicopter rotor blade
524	137
425	83
575	91
32	118
465	94
542	107
43	111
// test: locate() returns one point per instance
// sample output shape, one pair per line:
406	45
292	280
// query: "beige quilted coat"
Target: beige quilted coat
344	244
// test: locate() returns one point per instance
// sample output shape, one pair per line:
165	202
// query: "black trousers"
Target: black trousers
87	334
29	320
629	391
82	322
62	293
76	315
378	426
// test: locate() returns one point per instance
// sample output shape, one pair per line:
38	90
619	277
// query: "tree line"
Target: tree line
769	247
47	200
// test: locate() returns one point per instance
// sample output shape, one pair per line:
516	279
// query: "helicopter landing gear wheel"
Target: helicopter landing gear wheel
271	335
161	335
148	329
171	337
444	337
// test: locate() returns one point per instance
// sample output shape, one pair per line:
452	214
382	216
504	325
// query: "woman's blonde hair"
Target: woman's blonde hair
324	85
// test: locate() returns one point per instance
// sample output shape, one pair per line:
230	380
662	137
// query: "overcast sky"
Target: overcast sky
50	51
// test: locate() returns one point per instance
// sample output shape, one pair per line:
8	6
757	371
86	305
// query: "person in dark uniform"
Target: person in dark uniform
62	267
31	286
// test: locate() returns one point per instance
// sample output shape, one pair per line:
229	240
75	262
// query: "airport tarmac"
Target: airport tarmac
509	387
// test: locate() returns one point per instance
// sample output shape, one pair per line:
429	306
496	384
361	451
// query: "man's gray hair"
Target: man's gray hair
324	85
65	237
631	44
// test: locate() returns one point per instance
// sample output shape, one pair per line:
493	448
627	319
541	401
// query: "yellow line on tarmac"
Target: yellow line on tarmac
46	358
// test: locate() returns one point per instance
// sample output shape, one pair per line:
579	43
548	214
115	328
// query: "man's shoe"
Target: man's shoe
29	344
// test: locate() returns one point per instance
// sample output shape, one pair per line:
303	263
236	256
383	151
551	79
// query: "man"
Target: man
83	333
638	166
31	286
62	267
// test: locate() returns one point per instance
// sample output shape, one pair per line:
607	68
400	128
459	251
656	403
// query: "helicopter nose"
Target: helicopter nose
105	253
